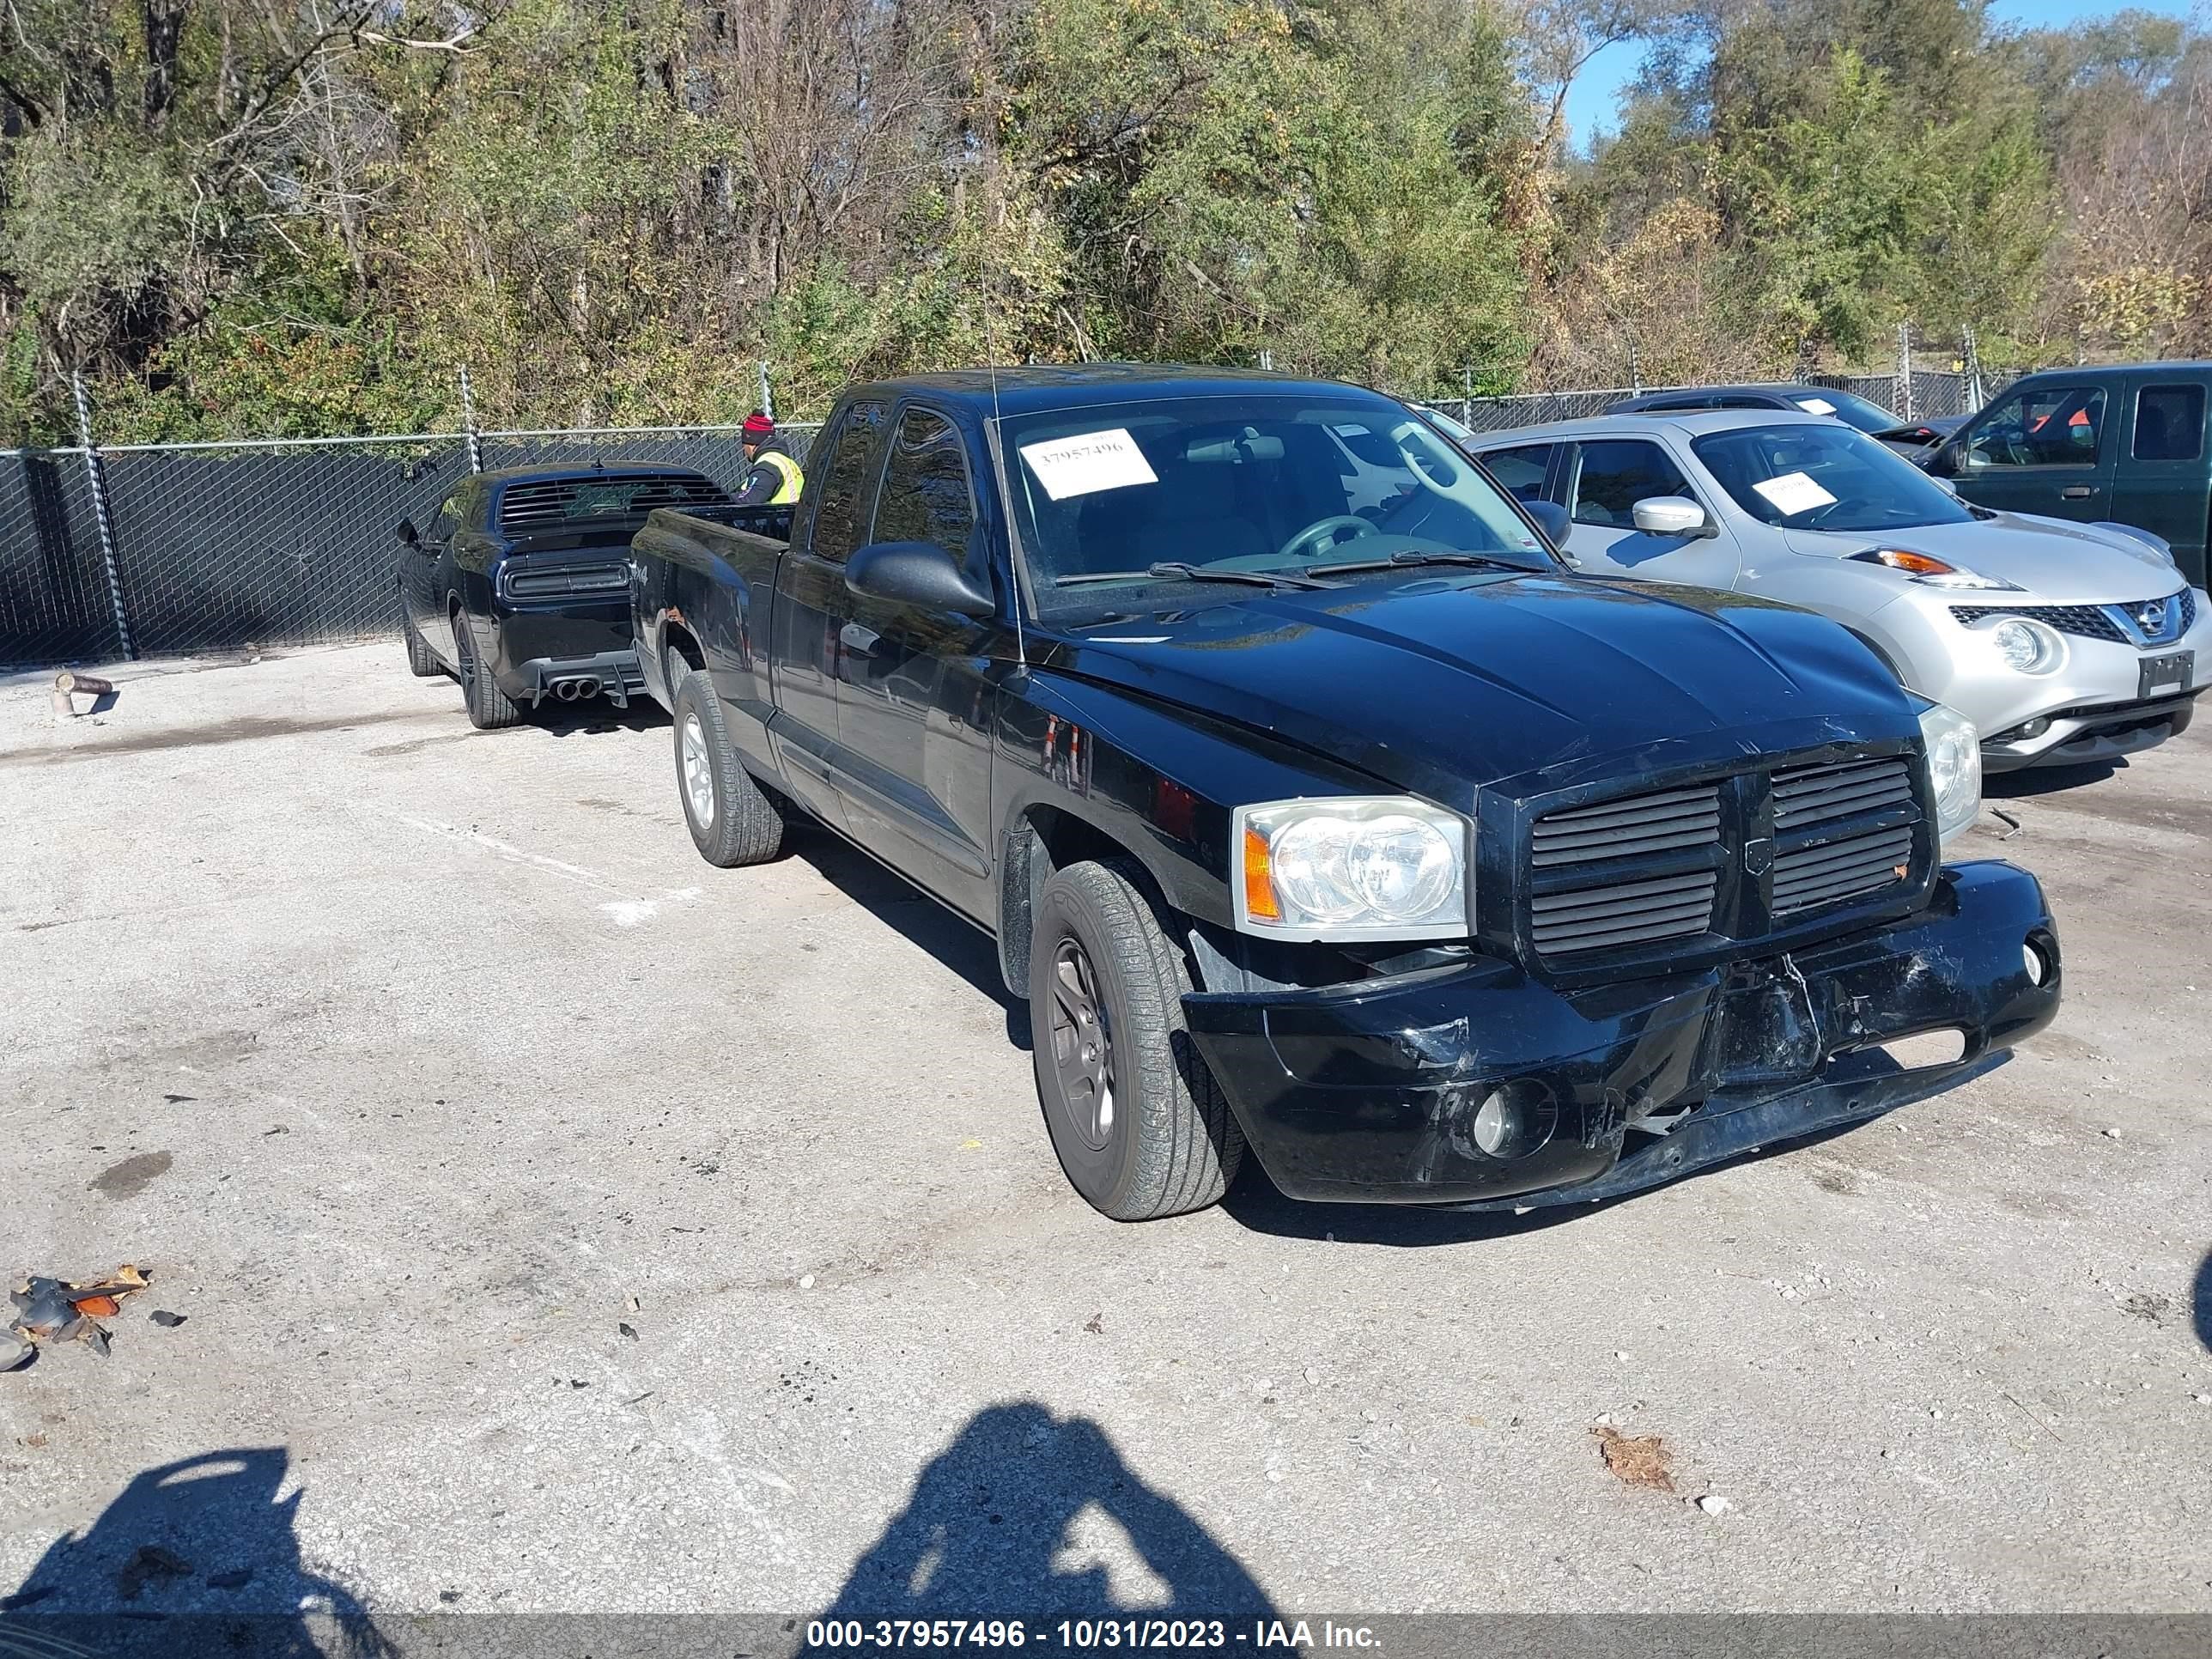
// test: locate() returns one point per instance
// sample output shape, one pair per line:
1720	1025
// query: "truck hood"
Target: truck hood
2054	562
1445	686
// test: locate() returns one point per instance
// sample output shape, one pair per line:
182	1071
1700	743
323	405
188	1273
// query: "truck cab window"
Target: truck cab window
926	496
838	520
2040	426
2169	424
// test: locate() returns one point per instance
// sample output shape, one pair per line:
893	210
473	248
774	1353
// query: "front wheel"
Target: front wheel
1140	1124
731	820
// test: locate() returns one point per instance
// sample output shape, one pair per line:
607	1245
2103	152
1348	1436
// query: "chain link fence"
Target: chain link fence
56	605
216	546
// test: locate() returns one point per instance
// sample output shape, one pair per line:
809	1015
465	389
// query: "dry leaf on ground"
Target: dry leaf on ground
1640	1461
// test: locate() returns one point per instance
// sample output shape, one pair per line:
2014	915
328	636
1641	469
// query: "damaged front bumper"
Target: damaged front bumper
1371	1093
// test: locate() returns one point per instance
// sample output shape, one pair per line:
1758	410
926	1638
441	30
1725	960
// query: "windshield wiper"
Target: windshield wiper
1406	560
1193	573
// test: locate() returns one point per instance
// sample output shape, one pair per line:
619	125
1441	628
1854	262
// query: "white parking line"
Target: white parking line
622	912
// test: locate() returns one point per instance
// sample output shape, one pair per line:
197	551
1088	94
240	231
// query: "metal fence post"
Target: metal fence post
1973	371
1905	369
469	436
96	476
767	398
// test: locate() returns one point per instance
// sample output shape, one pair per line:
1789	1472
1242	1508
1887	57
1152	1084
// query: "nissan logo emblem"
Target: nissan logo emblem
2152	616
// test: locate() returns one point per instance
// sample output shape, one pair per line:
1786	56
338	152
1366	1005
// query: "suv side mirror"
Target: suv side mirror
1552	519
1673	515
407	532
918	574
1946	461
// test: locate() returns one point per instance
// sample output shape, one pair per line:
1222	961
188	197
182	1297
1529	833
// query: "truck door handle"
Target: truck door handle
858	642
2078	492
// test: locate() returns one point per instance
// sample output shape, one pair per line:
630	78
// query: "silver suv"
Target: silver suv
2062	642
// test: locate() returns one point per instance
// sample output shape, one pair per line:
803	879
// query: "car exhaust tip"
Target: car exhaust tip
586	687
565	690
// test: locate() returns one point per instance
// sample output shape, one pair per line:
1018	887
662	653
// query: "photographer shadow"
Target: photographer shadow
198	1557
1010	1522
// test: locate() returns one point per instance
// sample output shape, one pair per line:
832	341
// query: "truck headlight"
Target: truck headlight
1350	867
1954	769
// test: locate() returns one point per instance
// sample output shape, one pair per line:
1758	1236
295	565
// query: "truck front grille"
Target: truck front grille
1736	860
1622	828
1624	913
1598	908
1840	831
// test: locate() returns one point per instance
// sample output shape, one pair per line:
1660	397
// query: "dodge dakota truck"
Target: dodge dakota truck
1316	807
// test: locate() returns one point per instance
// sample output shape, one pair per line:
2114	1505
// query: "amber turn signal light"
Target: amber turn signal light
1258	883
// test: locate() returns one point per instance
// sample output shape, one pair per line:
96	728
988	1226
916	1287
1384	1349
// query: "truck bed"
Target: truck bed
694	570
767	522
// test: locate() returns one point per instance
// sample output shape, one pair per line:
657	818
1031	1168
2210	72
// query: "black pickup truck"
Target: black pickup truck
520	588
1314	804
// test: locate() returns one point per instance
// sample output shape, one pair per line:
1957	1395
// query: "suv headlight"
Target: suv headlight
1927	569
1954	769
1350	867
2025	645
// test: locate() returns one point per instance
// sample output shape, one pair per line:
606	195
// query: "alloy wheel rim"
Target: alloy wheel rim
1082	1047
698	773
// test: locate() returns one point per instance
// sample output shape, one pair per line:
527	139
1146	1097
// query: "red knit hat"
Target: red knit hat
758	426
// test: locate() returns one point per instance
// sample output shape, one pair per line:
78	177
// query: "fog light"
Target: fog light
2039	965
2036	727
1514	1120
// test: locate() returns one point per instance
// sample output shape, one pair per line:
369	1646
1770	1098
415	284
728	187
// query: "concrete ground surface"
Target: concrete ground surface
561	1223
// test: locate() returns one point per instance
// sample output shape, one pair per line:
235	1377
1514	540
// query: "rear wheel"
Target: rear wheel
490	708
1140	1124
420	662
732	821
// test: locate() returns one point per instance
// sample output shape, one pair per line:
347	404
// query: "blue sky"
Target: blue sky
1594	99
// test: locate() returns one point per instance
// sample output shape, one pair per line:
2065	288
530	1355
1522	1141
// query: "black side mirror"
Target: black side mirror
407	532
918	574
1552	519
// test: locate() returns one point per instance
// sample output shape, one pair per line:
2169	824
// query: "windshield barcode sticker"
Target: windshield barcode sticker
1793	493
1092	461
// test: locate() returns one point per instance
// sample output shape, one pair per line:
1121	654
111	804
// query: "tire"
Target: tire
732	821
420	663
1168	1143
490	708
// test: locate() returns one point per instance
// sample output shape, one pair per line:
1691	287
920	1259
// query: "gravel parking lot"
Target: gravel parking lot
563	1224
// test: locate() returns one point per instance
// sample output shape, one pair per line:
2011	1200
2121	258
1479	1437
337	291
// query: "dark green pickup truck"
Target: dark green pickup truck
2123	445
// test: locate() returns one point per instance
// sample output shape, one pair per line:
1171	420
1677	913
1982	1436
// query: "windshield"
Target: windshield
1817	475
1107	496
1847	407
